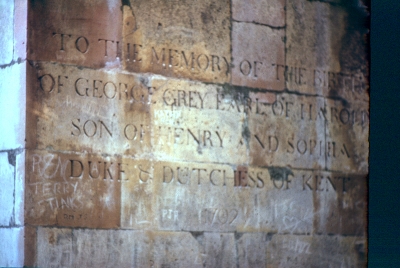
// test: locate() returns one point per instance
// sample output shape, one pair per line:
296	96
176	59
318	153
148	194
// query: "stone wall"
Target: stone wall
150	133
13	21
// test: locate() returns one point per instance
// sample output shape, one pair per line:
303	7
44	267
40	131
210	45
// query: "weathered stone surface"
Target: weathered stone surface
86	33
170	196
183	133
12	106
79	109
81	190
316	251
138	210
181	190
203	122
11	247
257	52
347	136
7	175
340	202
183	38
270	12
30	246
288	131
217	249
252	249
54	247
214	197
323	55
116	248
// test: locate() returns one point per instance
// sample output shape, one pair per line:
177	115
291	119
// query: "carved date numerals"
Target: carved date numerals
220	216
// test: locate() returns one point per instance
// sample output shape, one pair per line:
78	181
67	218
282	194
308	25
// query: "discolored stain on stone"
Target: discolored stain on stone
280	174
257	52
320	39
79	190
83	33
186	133
340	204
268	12
117	248
198	120
252	250
289	132
301	251
187	39
347	135
80	109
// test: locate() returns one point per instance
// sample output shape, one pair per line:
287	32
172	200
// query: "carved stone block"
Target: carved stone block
305	251
288	131
77	109
269	12
324	55
347	135
258	52
184	38
69	189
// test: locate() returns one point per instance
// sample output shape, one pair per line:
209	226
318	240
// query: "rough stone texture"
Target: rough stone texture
138	210
75	32
80	190
121	248
252	249
288	131
54	247
347	136
258	53
7	176
79	109
288	201
180	189
316	251
325	50
217	249
203	122
183	133
182	38
269	12
11	247
30	246
340	203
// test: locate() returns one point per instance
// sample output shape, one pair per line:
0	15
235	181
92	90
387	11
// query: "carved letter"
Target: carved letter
213	63
165	178
112	87
82	47
94	128
245	67
199	62
73	171
76	87
162	58
101	127
132	136
77	127
47	83
62	39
